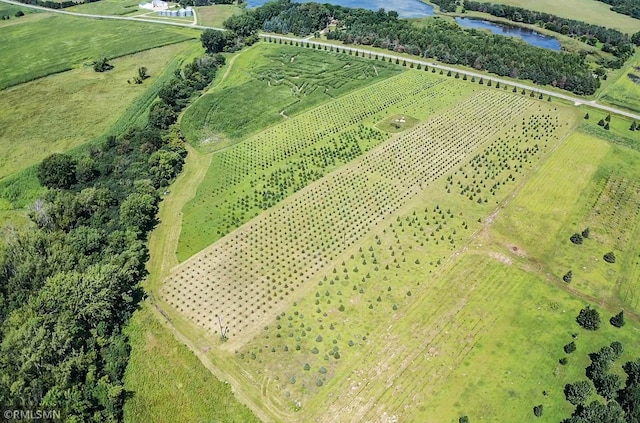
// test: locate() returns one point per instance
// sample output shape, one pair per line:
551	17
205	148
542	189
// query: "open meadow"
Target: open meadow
389	286
625	90
31	130
591	11
27	45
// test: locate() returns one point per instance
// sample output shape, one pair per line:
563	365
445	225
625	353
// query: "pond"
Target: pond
405	8
527	35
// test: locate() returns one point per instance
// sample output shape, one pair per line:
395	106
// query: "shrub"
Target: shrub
585	233
569	348
567	276
609	257
323	370
306	367
589	318
538	410
463	419
576	238
617	320
563	361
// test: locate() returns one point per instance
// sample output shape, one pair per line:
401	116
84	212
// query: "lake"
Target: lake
405	8
529	36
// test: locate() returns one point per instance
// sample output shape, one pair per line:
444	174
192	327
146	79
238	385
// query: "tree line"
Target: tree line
438	39
69	284
613	41
55	4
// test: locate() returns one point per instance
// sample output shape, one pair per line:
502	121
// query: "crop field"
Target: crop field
33	129
270	83
256	174
365	283
27	45
590	11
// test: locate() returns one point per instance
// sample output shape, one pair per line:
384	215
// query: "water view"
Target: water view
418	9
405	8
527	35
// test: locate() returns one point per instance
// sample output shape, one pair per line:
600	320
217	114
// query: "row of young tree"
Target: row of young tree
626	7
69	284
613	41
441	40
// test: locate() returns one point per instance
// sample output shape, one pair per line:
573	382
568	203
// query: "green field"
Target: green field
215	15
31	130
625	90
168	382
28	44
435	254
109	7
269	83
590	11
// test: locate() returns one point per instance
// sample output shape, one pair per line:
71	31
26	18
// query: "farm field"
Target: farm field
216	14
27	44
258	173
109	7
330	305
590	11
31	130
269	83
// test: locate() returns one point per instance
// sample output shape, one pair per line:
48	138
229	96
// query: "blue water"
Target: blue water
405	8
527	35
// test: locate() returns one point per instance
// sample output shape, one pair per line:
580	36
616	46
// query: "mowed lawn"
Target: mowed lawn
33	49
590	11
62	111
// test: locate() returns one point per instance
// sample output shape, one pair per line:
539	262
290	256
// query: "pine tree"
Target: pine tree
617	320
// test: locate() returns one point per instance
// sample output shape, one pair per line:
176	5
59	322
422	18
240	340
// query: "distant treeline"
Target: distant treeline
69	284
55	5
444	41
626	7
613	41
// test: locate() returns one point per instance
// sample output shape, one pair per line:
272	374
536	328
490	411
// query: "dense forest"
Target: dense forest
613	41
439	39
626	7
69	284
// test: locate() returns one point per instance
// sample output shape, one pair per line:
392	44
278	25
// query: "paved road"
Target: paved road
573	99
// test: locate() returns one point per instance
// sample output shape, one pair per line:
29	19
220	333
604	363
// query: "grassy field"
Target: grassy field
590	11
215	15
269	83
33	129
169	383
599	190
28	44
625	90
109	7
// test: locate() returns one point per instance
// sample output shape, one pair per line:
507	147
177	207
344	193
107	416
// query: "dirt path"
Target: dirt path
163	241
